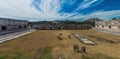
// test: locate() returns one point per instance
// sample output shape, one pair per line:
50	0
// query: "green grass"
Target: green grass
45	53
96	56
24	53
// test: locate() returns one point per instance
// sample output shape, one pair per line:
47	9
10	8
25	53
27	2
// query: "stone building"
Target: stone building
112	24
110	27
12	24
61	26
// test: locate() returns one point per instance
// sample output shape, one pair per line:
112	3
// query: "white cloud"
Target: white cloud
106	15
49	10
15	8
24	9
86	4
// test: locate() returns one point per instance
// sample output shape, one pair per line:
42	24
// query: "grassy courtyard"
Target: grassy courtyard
44	44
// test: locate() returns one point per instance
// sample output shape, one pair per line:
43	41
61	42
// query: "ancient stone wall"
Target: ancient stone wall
11	24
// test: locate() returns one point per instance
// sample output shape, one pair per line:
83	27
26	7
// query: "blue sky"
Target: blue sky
38	10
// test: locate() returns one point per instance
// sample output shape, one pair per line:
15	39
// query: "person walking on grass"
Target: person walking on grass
84	49
69	36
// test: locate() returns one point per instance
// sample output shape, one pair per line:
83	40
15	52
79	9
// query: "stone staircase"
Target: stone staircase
109	31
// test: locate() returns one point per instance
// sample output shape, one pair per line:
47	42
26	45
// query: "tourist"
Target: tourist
84	49
76	48
69	36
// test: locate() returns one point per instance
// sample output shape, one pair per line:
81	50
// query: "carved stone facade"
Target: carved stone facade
111	27
112	24
62	26
12	24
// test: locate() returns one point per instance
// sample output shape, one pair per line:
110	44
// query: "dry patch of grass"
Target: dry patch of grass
44	44
96	56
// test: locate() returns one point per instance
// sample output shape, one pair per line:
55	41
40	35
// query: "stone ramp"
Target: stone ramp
84	40
10	36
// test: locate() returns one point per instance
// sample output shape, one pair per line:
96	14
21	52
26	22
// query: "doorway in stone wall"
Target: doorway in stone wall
4	28
110	27
20	27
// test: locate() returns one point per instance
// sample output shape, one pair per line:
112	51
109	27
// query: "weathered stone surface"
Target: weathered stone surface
84	40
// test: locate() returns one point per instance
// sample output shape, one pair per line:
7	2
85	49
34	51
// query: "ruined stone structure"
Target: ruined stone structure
112	24
111	27
61	26
12	24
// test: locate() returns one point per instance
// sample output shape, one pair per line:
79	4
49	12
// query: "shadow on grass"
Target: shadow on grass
96	56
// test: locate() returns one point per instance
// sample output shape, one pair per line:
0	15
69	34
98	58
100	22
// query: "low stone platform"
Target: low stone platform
15	34
84	40
109	31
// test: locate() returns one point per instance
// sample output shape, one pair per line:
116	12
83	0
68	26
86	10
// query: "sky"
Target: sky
49	10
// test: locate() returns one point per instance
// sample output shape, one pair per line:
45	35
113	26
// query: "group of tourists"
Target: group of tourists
79	49
76	47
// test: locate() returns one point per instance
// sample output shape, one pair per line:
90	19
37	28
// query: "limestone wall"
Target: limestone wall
115	27
2	22
99	26
0	28
11	24
5	22
107	27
